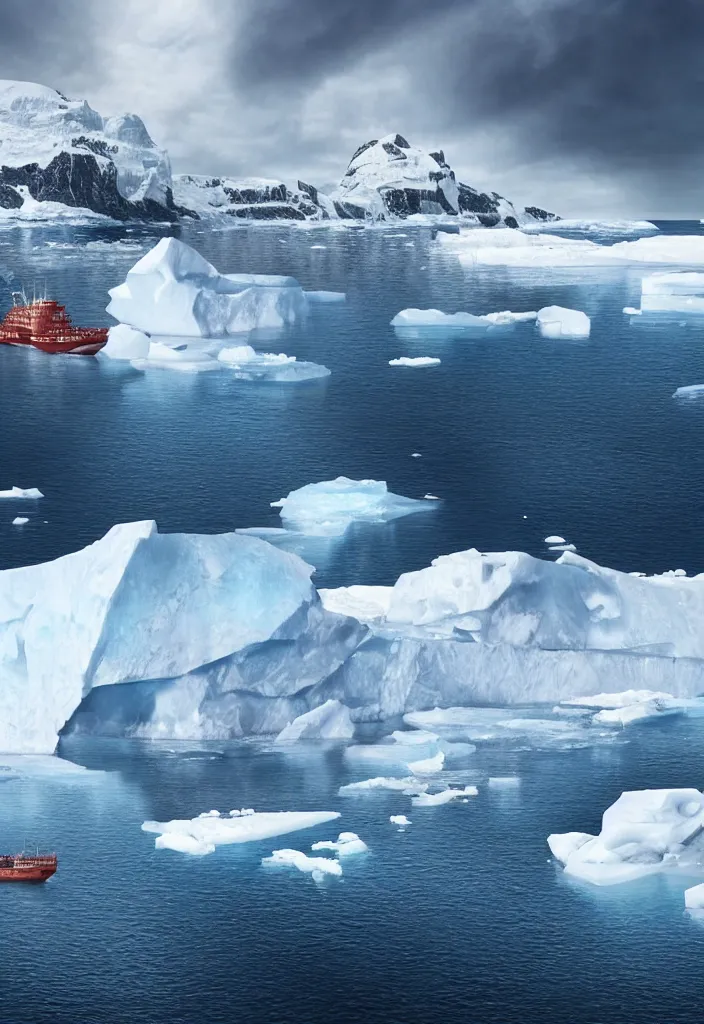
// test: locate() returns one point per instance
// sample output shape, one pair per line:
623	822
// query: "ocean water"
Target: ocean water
462	918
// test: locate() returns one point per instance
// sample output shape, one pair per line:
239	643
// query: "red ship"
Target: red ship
45	325
27	867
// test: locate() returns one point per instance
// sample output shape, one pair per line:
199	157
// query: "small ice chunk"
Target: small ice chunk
559	322
416	455
445	796
431	497
348	844
562	547
318	247
694	897
632	311
504	781
429	765
302	862
435	318
415	361
329	721
562	845
20	520
22	492
408	786
399	819
414	736
125	342
246	364
329	507
689	391
554	539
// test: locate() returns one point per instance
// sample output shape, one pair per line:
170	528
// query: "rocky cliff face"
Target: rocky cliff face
59	150
248	198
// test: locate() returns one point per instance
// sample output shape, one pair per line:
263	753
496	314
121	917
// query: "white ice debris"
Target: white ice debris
643	832
616	700
22	492
246	364
211	831
677	293
414	361
174	291
630	706
558	322
125	342
302	862
329	721
635	713
327	508
168	354
408	786
428	765
364	603
562	547
632	311
348	844
399	819
445	796
554	539
504	781
20	520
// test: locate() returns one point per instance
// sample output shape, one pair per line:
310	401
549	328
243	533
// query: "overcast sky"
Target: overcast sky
586	107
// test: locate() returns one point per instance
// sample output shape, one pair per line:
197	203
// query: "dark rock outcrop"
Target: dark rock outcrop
10	199
535	211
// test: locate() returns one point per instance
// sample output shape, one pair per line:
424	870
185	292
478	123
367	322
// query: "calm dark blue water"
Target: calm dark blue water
461	918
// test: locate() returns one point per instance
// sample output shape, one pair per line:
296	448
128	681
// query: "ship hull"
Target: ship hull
82	347
33	874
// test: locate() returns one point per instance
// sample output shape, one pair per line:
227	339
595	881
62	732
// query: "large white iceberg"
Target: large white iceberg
558	322
329	721
643	832
208	626
172	290
202	834
329	507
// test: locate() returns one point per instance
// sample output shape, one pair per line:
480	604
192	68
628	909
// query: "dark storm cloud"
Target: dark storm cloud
614	82
45	40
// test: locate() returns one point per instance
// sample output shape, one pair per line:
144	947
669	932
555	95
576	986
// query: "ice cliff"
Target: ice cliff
187	636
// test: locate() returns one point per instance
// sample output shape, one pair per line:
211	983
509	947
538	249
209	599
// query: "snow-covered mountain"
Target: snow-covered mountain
61	154
389	177
57	150
250	198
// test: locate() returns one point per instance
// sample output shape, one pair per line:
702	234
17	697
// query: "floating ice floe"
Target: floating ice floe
445	796
689	391
558	322
181	357
562	547
46	767
348	844
172	290
435	318
641	833
329	721
596	227
246	364
675	293
518	248
414	361
327	508
554	539
325	297
302	862
201	835
632	311
407	786
630	706
399	819
20	520
504	782
22	492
